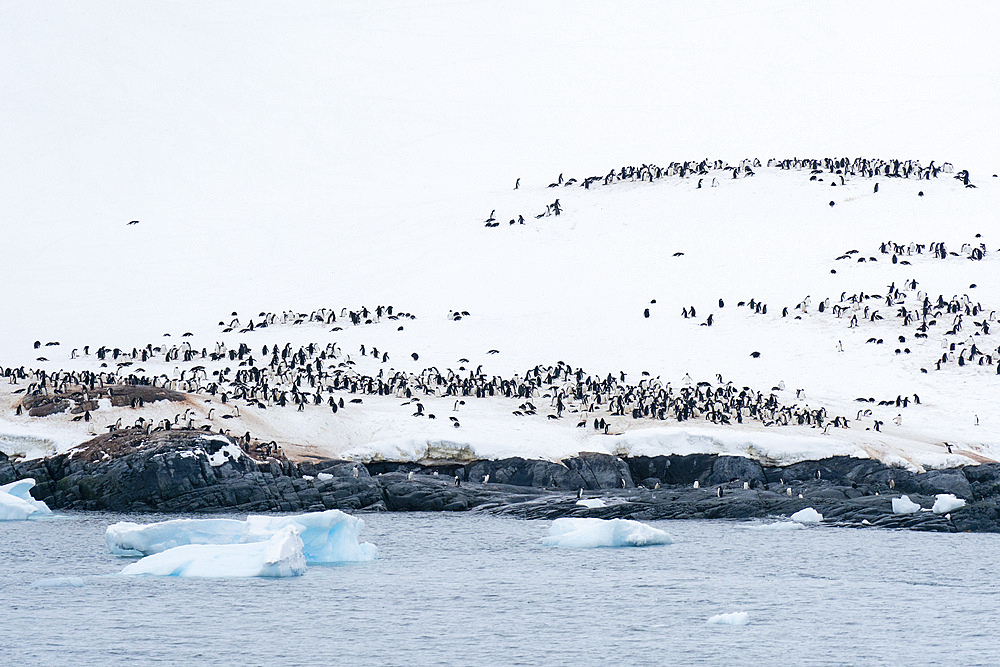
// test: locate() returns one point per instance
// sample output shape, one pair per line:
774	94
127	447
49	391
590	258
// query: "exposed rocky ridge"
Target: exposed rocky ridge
189	471
79	399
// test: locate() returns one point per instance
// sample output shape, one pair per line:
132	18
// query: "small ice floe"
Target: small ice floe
16	503
59	582
734	618
591	503
778	525
903	505
808	515
280	556
591	533
946	502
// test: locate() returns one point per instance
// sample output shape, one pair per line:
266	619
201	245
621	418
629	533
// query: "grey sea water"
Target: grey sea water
463	589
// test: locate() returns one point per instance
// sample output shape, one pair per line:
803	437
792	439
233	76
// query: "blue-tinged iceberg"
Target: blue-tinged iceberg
279	556
590	533
327	537
16	503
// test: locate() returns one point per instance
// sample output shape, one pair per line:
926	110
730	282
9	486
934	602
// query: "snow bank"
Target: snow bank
734	618
280	556
946	502
592	503
327	537
904	505
590	533
808	515
16	503
781	449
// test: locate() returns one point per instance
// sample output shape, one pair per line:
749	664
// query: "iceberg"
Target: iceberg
128	539
16	503
735	618
946	502
279	556
327	537
808	515
904	505
590	533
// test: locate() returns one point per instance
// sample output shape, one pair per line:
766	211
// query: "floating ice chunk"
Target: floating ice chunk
808	515
16	503
735	618
591	503
328	537
589	533
59	582
904	505
126	538
280	556
946	502
779	525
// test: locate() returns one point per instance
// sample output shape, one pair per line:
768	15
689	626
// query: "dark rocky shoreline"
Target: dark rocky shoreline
173	472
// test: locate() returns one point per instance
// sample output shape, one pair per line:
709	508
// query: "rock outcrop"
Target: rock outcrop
192	471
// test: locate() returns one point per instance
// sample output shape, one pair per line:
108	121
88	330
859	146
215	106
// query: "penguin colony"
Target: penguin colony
323	375
838	169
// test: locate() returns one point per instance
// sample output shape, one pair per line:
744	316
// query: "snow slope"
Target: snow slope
309	155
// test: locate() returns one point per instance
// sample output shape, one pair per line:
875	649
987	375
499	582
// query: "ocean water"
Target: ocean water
465	589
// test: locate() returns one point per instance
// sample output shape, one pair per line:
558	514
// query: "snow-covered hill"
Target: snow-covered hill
317	157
